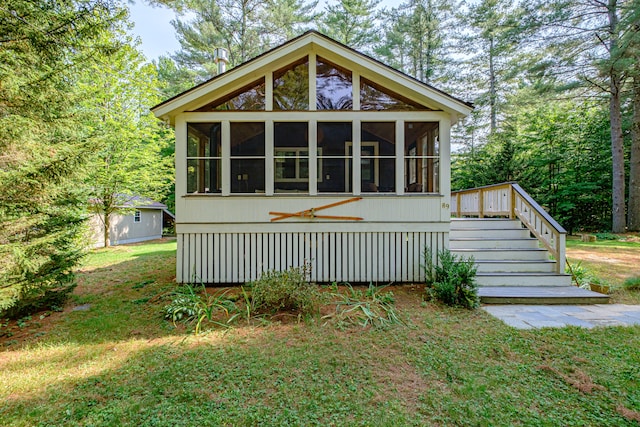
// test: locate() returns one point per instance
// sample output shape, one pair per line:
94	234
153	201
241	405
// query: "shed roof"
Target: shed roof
290	51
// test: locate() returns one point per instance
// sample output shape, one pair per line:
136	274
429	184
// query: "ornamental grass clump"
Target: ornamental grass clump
288	290
363	308
189	306
452	279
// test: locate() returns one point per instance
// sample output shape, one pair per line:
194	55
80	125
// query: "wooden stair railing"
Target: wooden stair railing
508	199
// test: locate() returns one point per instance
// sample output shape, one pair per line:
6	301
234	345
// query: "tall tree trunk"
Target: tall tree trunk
617	145
107	226
634	168
492	87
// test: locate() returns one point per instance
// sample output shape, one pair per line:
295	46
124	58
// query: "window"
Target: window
334	88
375	97
246	167
378	157
292	165
247	157
248	98
204	157
334	157
137	216
291	157
291	86
421	157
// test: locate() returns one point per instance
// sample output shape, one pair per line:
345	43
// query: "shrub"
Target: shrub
632	284
284	290
370	308
606	236
584	278
189	306
452	280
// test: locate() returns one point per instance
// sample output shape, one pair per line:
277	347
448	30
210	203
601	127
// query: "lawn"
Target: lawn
110	359
613	261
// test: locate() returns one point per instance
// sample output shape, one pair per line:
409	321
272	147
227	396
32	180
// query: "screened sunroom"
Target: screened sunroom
311	153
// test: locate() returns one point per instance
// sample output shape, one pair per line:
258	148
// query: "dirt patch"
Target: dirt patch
576	378
614	264
402	381
15	333
628	413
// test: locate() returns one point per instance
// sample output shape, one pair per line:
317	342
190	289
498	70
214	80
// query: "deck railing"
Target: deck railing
510	200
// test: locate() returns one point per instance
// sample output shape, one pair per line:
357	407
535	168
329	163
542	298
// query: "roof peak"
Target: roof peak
462	107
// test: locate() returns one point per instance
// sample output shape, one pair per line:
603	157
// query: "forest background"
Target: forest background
556	85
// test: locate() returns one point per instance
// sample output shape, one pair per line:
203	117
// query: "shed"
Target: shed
138	219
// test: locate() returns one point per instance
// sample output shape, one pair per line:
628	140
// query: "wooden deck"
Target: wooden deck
539	295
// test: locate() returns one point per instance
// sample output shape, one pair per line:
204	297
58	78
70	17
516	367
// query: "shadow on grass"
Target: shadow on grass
307	375
245	377
120	294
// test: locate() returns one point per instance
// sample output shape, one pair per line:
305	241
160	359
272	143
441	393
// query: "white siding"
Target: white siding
381	257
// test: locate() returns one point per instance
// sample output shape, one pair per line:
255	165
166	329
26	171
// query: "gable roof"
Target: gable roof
310	41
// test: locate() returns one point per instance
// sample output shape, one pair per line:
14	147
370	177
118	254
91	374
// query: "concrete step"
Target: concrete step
478	243
511	266
486	223
528	254
483	233
540	295
523	279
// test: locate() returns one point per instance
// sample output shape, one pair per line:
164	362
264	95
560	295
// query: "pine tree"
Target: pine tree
351	22
44	144
492	46
630	21
246	28
415	40
586	55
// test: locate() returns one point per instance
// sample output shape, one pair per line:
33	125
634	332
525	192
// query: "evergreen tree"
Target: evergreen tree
286	19
585	55
630	41
494	36
44	143
415	40
173	78
352	22
246	28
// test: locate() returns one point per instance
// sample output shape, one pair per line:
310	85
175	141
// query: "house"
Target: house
311	153
137	219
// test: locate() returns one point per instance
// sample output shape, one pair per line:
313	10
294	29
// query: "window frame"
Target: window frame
298	157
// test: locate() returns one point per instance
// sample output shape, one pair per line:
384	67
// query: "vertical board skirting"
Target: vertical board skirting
379	257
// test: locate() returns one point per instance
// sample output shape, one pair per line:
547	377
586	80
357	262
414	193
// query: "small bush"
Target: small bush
584	278
606	236
284	290
452	281
191	306
370	308
632	284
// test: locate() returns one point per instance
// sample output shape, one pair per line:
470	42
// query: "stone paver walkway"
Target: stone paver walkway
557	316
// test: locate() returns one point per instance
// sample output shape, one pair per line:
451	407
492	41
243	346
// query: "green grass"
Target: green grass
576	243
120	363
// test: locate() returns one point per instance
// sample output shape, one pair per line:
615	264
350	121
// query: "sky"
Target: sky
153	26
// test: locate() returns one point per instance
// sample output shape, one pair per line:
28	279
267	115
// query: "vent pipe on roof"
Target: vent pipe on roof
221	58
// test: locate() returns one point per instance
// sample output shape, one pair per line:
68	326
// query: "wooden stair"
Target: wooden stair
512	267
